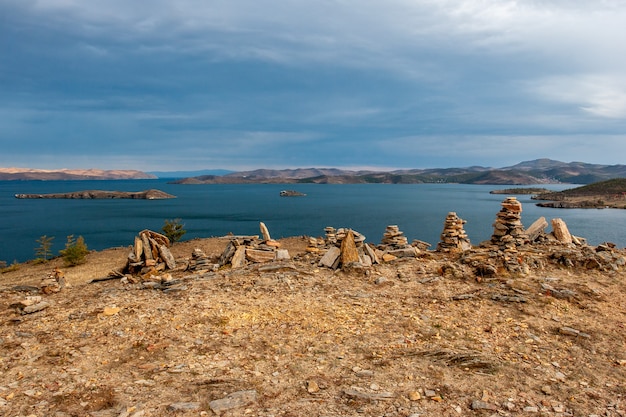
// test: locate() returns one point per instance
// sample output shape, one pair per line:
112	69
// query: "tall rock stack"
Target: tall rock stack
453	237
508	230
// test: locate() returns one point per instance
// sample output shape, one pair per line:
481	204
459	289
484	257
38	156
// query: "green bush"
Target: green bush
75	251
13	267
173	229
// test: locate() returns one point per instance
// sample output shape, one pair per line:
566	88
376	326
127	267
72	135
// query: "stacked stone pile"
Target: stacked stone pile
249	249
508	230
200	262
150	253
346	248
395	245
395	238
453	237
316	245
54	282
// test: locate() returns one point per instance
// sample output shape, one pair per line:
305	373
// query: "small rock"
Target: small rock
183	406
35	307
111	311
546	389
312	387
482	405
414	396
531	409
234	400
430	393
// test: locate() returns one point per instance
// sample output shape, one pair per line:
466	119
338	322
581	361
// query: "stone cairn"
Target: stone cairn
508	230
453	237
245	249
200	262
345	248
395	245
150	254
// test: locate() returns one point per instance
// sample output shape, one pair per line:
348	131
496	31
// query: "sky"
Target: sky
167	85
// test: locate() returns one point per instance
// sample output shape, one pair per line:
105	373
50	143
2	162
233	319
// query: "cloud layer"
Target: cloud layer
247	84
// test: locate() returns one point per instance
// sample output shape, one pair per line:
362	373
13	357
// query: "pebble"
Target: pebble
430	393
482	405
312	387
414	396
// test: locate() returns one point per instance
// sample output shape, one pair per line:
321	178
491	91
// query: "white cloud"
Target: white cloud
596	94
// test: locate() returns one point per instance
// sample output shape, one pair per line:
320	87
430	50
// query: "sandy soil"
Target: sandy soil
405	338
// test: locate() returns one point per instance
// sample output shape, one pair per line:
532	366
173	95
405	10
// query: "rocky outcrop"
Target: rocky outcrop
100	194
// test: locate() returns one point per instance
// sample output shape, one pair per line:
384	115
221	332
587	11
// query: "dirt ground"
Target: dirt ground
402	338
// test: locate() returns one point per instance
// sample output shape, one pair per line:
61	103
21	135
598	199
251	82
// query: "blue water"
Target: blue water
215	210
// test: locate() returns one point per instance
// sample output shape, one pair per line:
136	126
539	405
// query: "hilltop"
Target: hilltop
540	171
8	174
535	329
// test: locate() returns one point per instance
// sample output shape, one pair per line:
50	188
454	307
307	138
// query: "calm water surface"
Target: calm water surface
215	210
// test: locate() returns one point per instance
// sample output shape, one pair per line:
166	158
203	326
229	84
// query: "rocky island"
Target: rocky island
520	191
100	194
291	193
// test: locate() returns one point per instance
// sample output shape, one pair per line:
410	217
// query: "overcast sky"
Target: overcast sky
243	84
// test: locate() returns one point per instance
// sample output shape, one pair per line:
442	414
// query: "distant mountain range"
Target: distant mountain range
539	171
70	174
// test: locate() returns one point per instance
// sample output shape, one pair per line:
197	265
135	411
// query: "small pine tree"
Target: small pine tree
173	229
44	251
75	251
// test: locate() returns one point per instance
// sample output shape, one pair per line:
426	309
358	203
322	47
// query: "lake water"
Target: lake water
215	210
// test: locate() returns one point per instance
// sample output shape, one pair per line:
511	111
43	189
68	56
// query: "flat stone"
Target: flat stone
239	258
35	307
482	405
260	256
330	257
233	400
183	406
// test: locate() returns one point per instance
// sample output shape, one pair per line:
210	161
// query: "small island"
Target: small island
291	193
152	194
603	194
520	191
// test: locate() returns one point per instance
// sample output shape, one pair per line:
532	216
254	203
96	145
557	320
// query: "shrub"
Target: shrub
173	229
43	251
13	267
75	251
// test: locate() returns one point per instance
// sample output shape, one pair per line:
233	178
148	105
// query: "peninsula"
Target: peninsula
603	194
100	194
